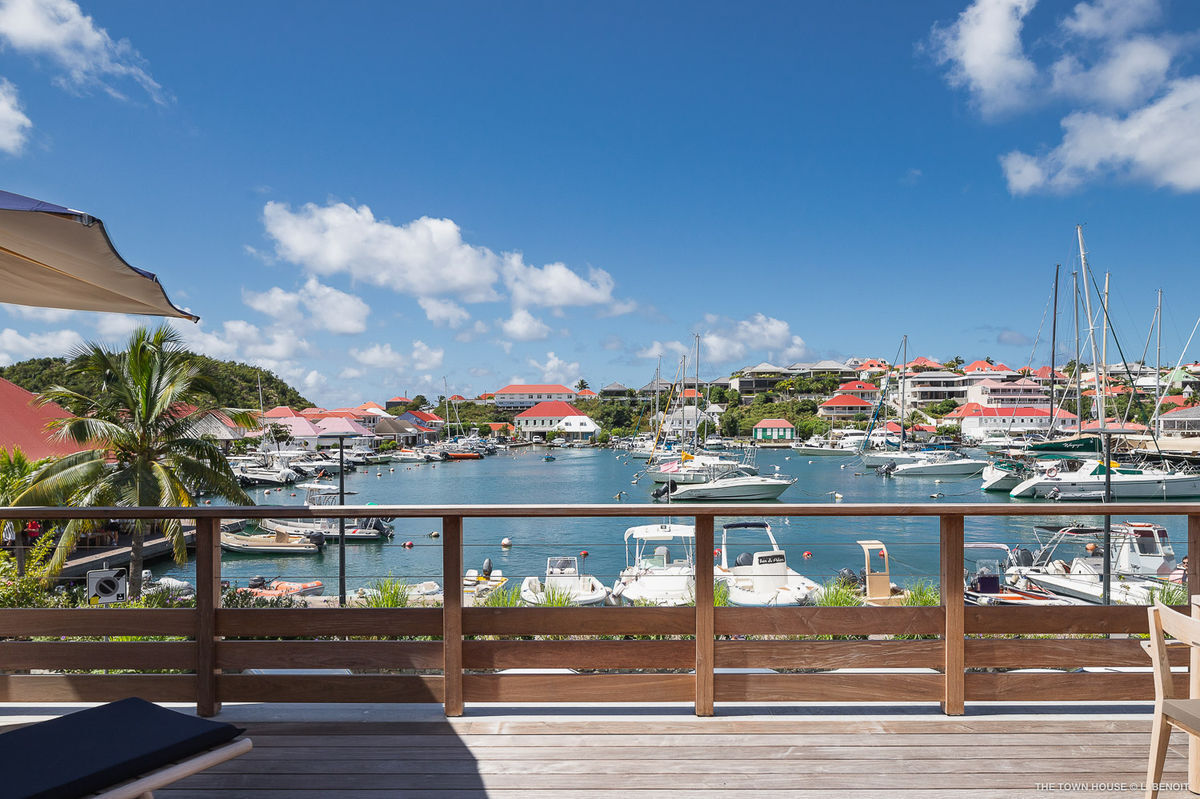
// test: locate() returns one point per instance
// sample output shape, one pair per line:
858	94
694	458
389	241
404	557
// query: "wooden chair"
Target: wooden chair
1168	711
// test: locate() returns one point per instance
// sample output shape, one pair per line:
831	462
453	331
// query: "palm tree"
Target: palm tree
142	425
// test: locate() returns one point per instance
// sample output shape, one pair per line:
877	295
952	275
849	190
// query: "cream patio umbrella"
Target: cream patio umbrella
55	257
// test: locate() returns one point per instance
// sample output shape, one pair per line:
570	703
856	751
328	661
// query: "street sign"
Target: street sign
106	586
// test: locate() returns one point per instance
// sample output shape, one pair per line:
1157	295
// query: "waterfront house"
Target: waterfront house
844	407
558	417
404	432
1181	421
23	424
214	425
872	366
824	368
926	388
356	434
774	430
304	433
858	388
279	412
586	393
978	421
984	366
520	396
1008	393
424	419
684	421
501	428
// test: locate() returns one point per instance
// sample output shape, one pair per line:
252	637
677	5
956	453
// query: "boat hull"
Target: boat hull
1122	487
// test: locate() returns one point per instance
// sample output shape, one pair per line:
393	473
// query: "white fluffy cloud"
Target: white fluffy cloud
557	370
329	308
984	52
14	125
59	31
1155	143
473	332
351	373
724	342
15	346
555	285
660	348
1128	73
426	257
444	313
1110	18
524	326
425	357
379	356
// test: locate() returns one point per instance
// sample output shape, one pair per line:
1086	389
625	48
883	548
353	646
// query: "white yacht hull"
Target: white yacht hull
738	489
590	591
964	467
1123	486
836	452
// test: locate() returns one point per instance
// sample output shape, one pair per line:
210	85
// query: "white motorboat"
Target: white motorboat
986	564
563	583
317	493
1085	480
876	458
656	577
412	456
689	468
277	544
1141	562
732	486
824	446
942	464
762	578
478	585
1005	474
715	442
251	471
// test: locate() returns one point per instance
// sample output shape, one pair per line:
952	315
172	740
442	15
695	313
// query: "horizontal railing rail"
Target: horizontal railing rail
951	653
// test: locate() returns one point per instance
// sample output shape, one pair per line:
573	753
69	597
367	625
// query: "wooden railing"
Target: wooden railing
464	647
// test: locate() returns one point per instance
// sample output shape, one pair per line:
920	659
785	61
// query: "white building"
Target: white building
978	422
526	396
683	421
558	417
1008	393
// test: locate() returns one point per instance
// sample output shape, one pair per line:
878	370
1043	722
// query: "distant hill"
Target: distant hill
236	383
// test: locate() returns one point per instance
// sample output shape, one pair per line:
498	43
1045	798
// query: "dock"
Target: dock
84	559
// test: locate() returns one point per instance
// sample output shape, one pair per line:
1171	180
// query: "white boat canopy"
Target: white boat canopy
56	257
660	532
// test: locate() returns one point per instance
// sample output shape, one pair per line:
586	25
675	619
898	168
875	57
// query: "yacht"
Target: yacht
1086	479
942	464
563	580
734	485
656	577
820	445
762	578
1141	560
689	468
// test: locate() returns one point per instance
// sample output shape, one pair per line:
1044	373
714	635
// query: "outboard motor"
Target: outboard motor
1021	557
316	537
744	559
848	577
486	571
886	470
660	492
257	581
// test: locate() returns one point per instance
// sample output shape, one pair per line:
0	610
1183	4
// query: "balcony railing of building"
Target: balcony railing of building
950	654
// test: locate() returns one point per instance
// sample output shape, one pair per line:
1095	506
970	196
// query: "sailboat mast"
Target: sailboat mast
1053	351
1104	342
1078	376
903	366
696	441
1157	361
1087	304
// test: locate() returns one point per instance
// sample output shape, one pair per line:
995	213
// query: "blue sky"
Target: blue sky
366	197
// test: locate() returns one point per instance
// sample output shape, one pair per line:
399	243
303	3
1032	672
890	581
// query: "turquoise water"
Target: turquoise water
597	476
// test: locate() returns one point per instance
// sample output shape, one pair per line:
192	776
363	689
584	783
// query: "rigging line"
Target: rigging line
1124	362
1145	350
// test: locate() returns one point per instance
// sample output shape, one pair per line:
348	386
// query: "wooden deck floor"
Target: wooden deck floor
636	756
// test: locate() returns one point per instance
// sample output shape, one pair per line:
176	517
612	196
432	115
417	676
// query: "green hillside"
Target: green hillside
236	383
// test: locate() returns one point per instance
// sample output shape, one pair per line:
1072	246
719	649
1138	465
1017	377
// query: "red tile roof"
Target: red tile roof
538	388
775	423
422	416
845	401
313	411
499	426
984	366
587	392
871	363
487	395
400	399
1044	374
858	385
922	361
974	409
457	398
369	404
279	411
551	409
1114	424
23	424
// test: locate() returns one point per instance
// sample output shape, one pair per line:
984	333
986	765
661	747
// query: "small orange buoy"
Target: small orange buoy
807	555
583	553
1090	547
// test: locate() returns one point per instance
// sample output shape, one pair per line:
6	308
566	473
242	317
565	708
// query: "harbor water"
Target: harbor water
816	546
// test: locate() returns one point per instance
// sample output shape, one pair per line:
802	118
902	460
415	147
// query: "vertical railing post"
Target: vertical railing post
704	615
954	663
208	599
1193	588
452	626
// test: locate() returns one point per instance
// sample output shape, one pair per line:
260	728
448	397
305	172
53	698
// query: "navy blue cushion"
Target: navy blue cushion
94	749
